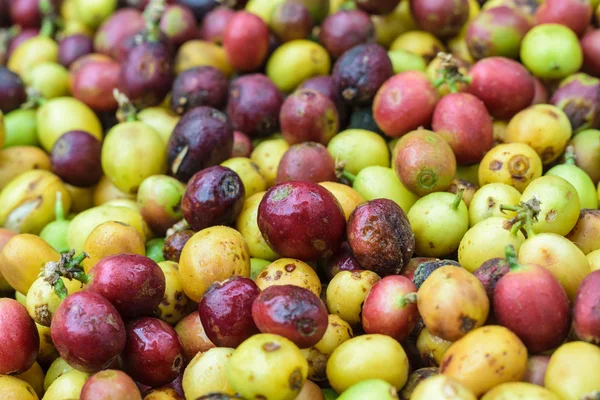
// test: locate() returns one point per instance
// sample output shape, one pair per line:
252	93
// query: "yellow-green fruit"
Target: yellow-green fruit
212	255
559	204
21	128
48	353
515	164
22	259
50	79
67	386
173	306
17	160
441	387
295	61
34	376
572	373
93	12
207	373
377	182
2	130
263	8
362	358
388	27
560	256
403	61
358	149
267	365
488	239
84	223
199	53
519	390
52	120
58	368
267	156
247	225
469	359
13	388
418	42
544	127
345	195
487	200
28	201
338	331
289	271
452	302
132	152
346	293
431	348
252	177
32	52
42	301
580	181
162	120
594	260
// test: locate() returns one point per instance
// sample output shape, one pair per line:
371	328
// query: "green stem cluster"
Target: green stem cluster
34	99
405	300
127	111
67	267
49	20
511	257
527	213
570	156
458	198
152	15
451	74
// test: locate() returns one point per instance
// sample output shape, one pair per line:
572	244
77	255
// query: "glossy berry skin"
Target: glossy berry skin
388	311
246	41
200	86
214	196
134	284
586	319
88	331
301	220
380	236
253	105
76	159
345	29
12	90
203	137
293	312
72	47
308	161
342	260
544	322
225	311
153	354
504	86
360	72
147	74
464	122
20	340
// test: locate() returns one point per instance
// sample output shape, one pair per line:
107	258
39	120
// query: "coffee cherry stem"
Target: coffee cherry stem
458	199
152	15
49	21
126	112
511	257
450	73
570	156
34	99
59	210
405	300
67	267
527	213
